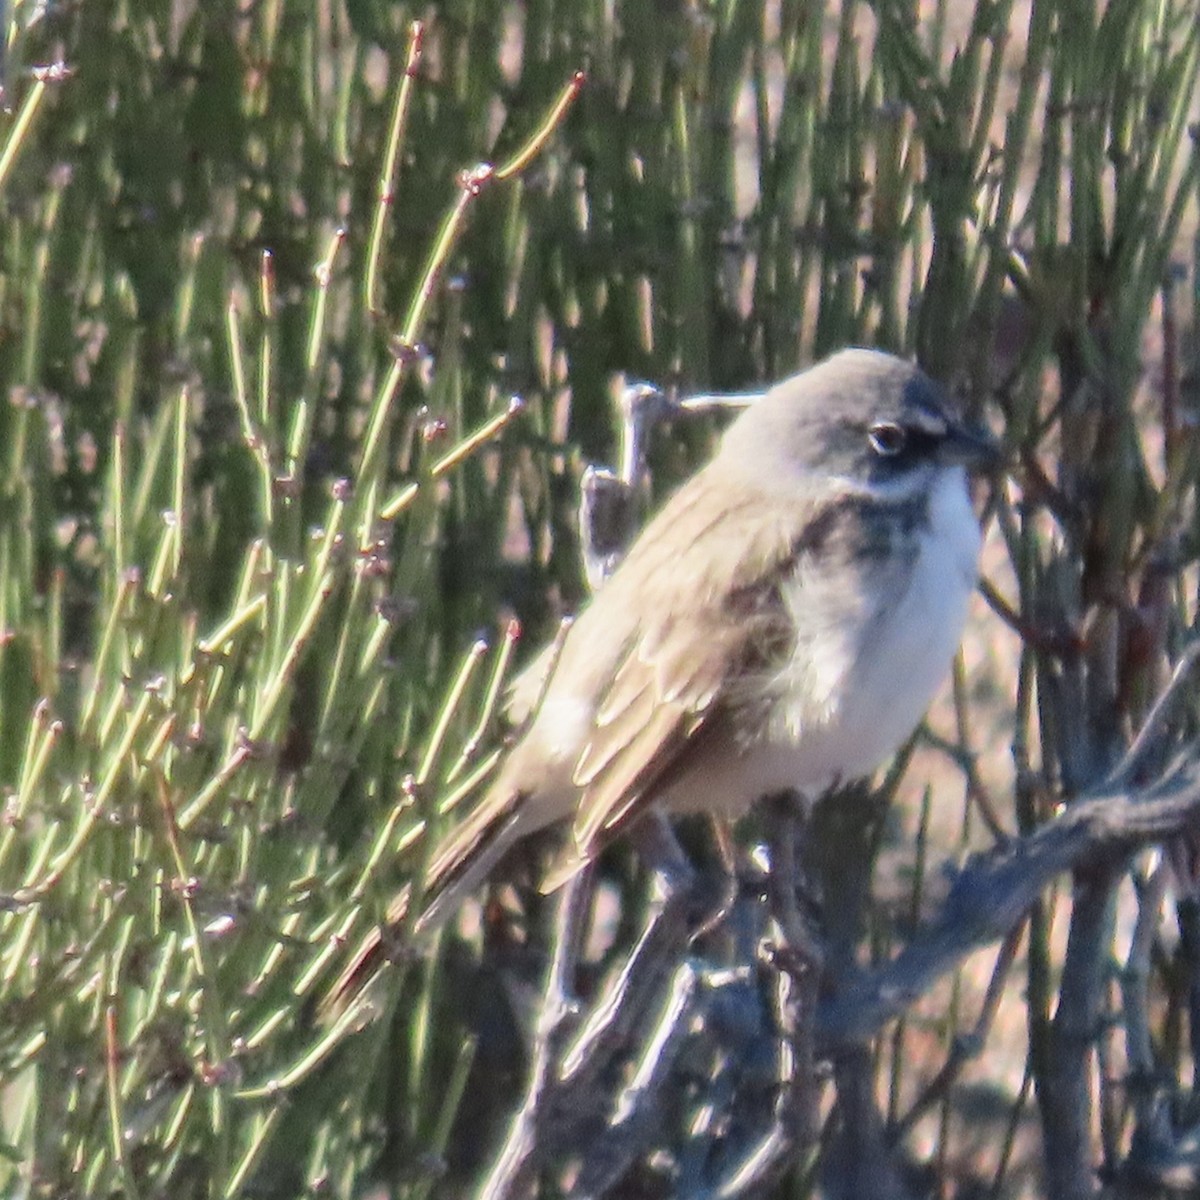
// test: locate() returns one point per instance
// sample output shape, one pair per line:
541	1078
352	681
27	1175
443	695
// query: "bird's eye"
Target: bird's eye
887	438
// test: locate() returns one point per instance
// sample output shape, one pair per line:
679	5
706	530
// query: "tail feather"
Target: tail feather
370	958
464	860
460	862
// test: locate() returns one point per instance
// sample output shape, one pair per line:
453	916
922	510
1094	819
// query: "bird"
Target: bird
780	625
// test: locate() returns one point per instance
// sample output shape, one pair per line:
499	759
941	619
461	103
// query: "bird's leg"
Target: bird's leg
722	836
659	849
677	876
725	876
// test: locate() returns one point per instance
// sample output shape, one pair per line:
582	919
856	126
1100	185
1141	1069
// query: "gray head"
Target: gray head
860	416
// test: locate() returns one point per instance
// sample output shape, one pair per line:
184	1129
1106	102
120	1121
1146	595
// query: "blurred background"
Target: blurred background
270	520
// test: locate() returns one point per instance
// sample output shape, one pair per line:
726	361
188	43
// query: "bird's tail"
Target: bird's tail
460	862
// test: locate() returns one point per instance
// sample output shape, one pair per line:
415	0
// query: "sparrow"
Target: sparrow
780	625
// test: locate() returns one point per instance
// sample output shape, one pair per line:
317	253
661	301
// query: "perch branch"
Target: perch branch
994	890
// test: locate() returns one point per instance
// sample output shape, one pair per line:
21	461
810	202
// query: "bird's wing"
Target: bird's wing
706	618
685	621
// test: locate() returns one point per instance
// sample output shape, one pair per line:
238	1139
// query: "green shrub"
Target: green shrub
265	495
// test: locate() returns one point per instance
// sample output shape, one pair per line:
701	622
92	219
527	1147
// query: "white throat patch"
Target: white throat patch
860	681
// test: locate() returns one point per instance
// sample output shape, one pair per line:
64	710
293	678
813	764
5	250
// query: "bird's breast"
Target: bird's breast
874	642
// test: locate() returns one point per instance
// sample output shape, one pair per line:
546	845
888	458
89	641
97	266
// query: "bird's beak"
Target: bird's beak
973	447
